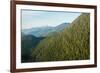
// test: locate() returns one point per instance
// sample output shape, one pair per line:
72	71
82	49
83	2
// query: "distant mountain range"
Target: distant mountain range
44	31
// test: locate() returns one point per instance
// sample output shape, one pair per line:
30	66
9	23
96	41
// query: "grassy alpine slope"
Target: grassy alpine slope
70	44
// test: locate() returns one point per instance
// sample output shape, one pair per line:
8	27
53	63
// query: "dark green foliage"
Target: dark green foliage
70	44
27	43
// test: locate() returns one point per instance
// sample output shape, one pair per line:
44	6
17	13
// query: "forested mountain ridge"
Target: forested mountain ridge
70	44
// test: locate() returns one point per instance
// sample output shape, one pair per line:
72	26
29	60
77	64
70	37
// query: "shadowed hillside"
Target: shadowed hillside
70	44
27	43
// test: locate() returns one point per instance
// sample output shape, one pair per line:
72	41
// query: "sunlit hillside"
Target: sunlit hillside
70	44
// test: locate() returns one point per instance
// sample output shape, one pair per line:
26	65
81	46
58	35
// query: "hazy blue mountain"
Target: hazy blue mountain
61	26
44	31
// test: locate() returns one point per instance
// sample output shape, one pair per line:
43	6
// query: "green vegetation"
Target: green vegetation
28	42
70	44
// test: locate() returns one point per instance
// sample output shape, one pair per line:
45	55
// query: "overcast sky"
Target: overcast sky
40	18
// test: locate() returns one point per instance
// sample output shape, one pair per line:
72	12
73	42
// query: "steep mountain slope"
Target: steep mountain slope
70	44
44	31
